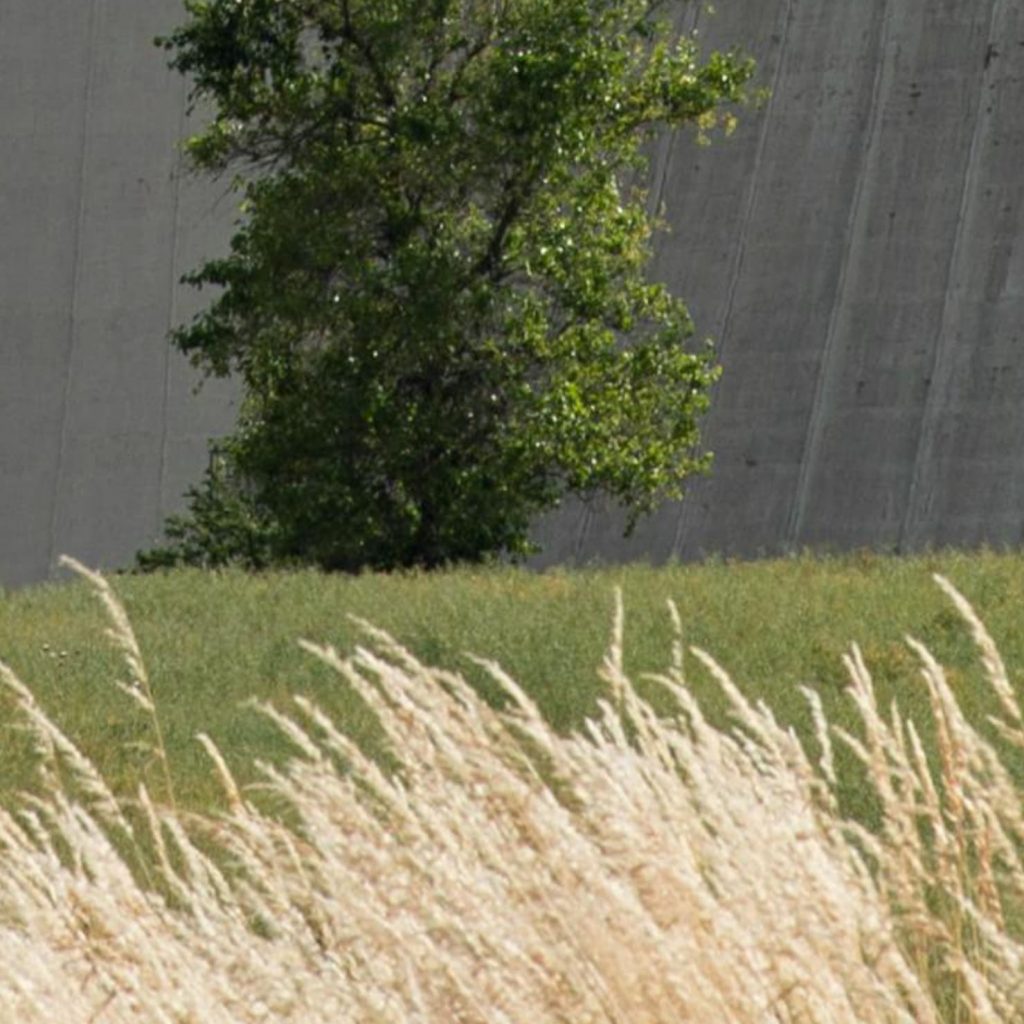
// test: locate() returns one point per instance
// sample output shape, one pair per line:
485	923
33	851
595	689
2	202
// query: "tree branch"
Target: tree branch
350	35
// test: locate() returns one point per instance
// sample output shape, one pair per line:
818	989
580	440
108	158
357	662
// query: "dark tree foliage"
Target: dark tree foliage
436	297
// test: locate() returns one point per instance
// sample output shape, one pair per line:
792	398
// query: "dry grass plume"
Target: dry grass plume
653	871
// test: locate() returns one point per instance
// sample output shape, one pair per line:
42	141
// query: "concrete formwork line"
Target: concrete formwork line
76	271
826	370
785	12
690	22
172	316
586	515
919	492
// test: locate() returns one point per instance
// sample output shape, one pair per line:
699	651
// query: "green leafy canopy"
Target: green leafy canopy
436	298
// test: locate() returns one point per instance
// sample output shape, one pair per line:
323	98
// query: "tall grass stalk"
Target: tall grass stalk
655	869
138	688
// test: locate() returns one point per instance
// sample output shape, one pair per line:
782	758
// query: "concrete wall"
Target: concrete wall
857	251
858	254
99	432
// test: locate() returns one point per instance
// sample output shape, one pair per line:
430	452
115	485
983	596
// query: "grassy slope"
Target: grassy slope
212	641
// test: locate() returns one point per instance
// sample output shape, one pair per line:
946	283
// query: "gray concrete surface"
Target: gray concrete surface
858	254
856	250
99	430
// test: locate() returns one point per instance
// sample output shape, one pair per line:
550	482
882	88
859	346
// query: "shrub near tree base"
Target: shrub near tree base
436	298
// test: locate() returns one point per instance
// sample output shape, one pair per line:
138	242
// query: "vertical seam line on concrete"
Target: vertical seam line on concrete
945	341
741	244
664	160
76	277
172	309
586	515
669	138
816	419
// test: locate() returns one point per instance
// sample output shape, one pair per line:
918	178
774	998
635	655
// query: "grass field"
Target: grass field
214	641
689	858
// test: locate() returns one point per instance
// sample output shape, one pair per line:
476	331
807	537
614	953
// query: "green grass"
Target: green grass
212	641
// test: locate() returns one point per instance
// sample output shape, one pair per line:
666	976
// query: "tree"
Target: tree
436	298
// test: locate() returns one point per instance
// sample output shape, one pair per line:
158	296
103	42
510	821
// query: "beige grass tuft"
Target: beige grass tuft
681	873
